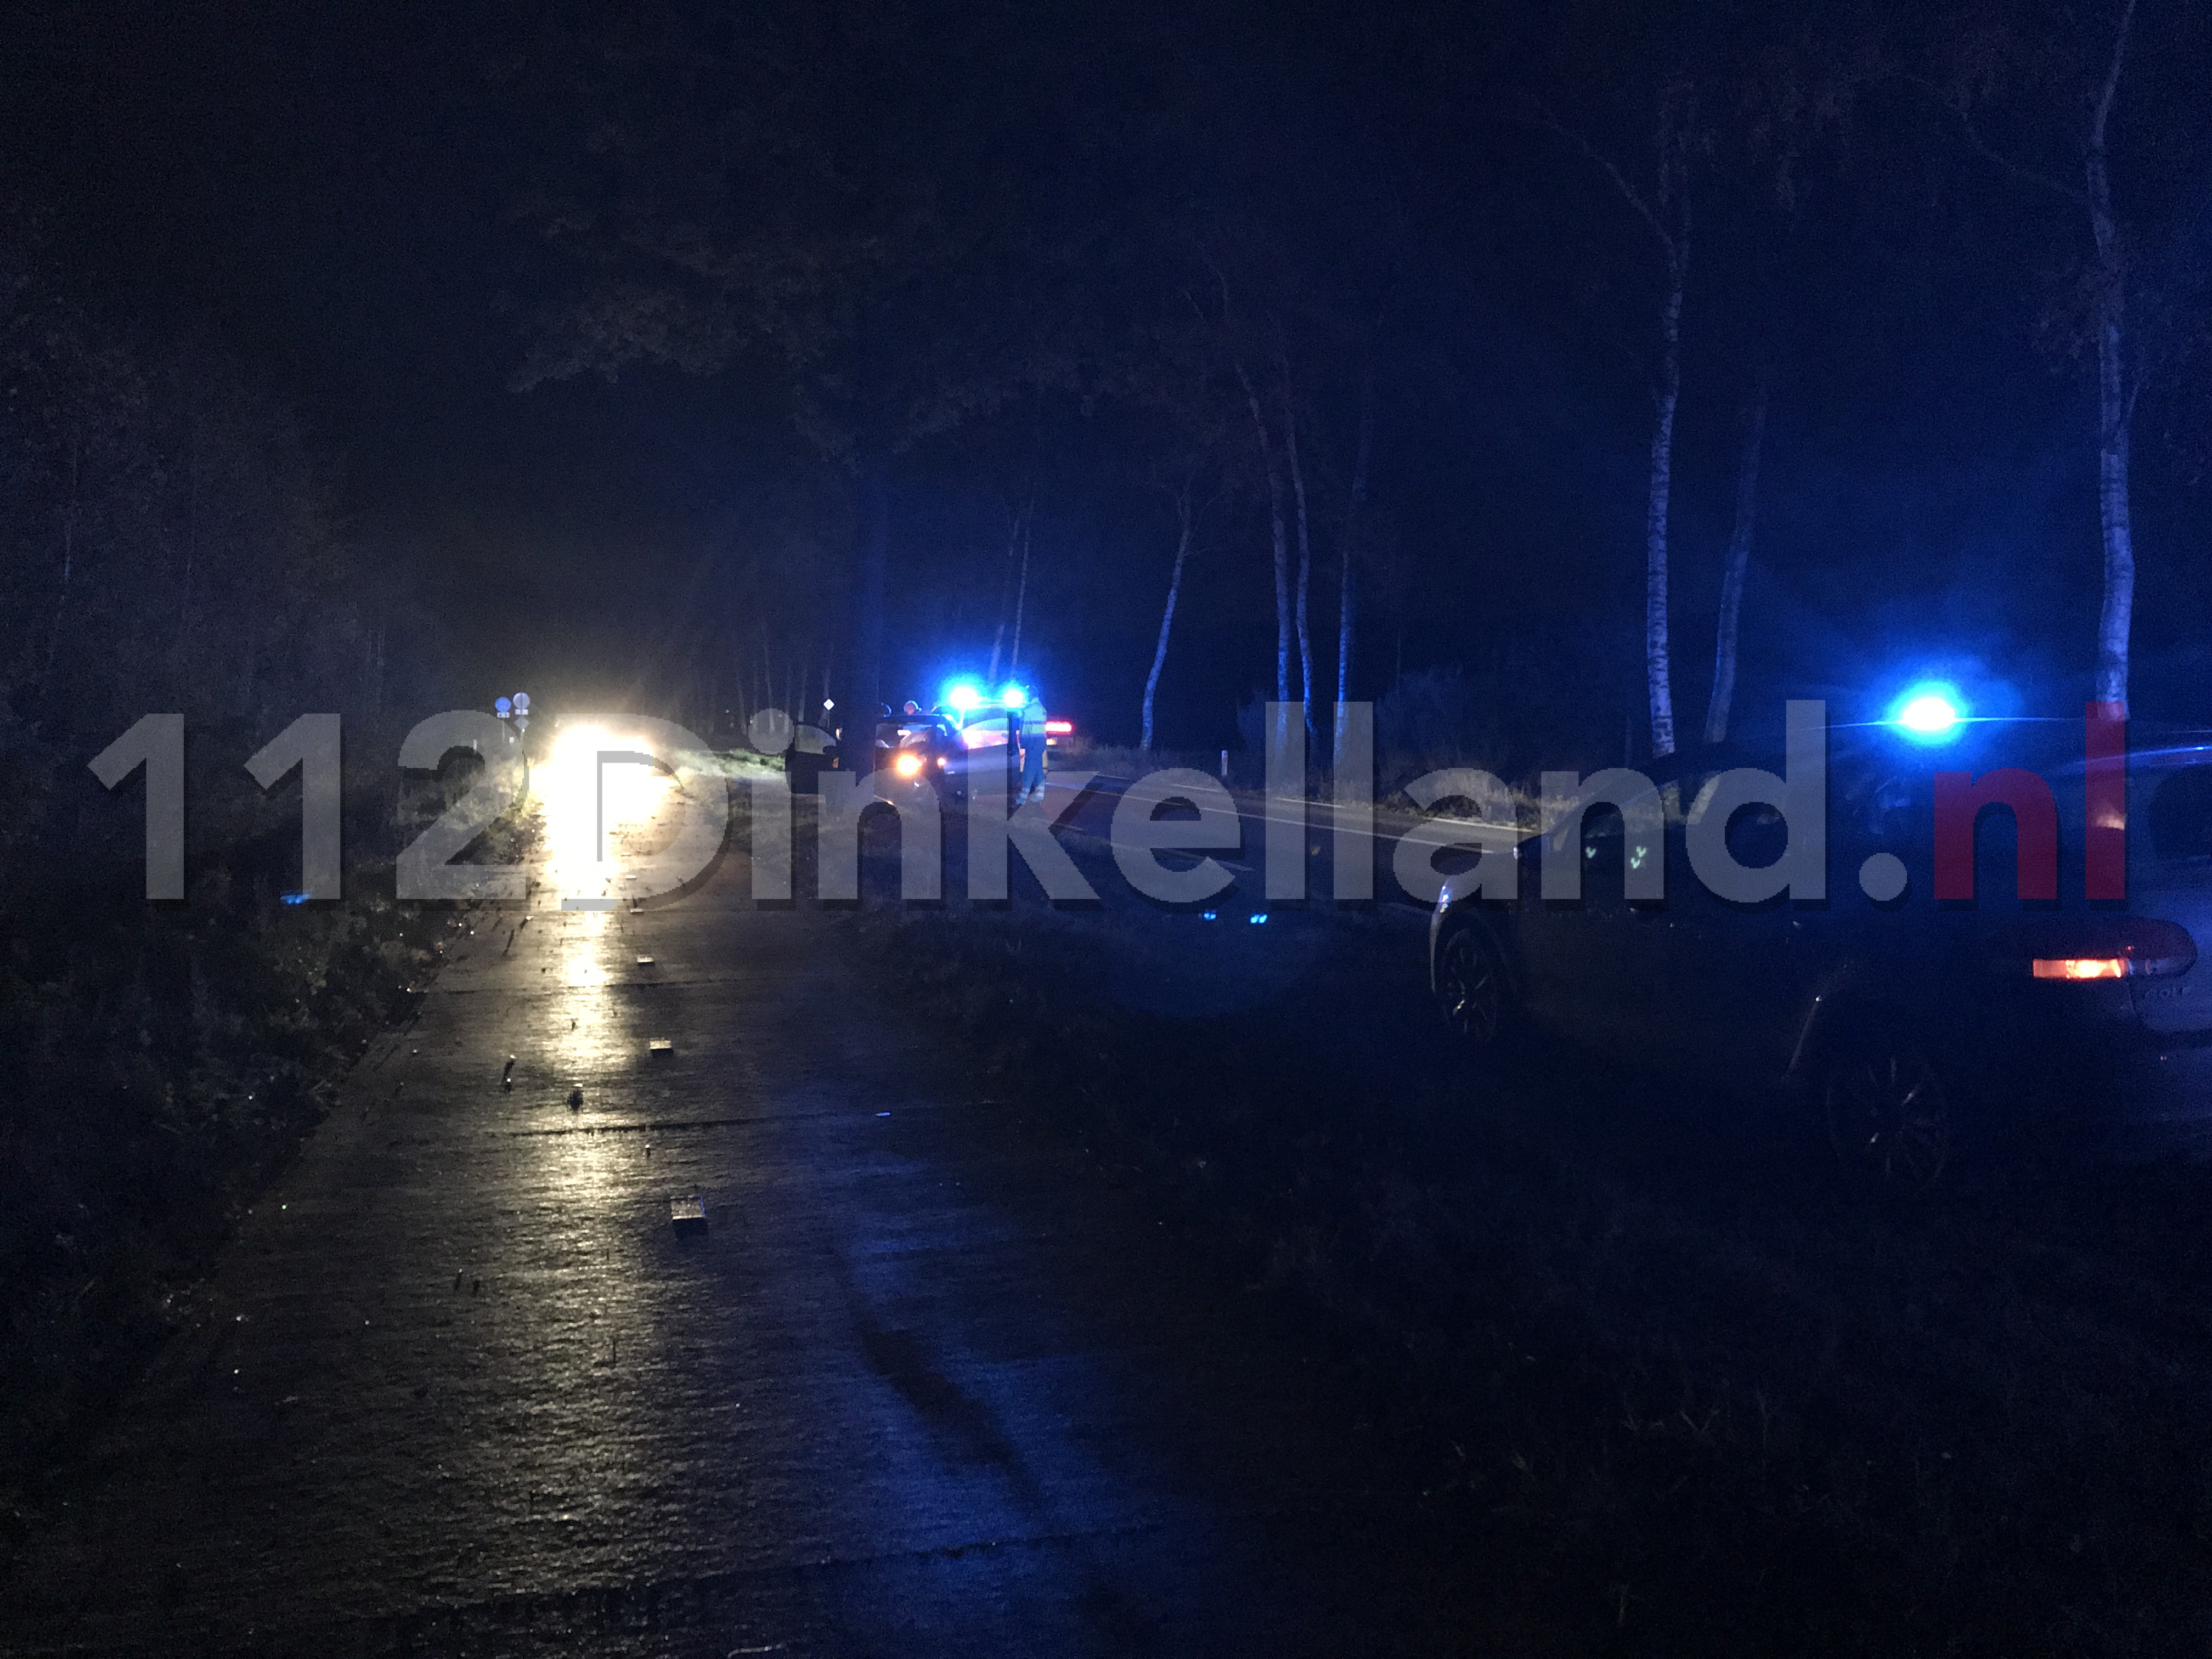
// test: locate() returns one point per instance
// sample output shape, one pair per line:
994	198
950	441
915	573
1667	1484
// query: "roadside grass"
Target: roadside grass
164	1062
1642	1346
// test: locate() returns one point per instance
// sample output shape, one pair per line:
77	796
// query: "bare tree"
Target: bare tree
1355	527
2118	372
1018	570
1189	380
1664	208
1305	545
1271	470
1280	534
2115	395
1184	518
1021	599
1739	562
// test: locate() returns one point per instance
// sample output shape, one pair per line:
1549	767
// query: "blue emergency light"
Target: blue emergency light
1014	696
1930	712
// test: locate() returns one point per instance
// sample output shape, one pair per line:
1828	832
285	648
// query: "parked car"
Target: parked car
1913	1028
990	736
917	749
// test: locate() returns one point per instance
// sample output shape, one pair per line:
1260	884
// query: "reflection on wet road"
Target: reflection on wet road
463	1389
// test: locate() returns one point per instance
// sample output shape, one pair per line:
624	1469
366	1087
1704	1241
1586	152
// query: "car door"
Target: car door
1581	959
986	740
1727	980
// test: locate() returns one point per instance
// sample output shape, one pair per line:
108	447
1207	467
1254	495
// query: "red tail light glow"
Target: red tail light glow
2104	947
2080	967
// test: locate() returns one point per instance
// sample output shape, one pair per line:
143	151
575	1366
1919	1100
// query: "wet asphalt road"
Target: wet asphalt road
920	1389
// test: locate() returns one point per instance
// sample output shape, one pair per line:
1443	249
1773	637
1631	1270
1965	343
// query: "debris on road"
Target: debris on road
688	1216
661	1047
576	1096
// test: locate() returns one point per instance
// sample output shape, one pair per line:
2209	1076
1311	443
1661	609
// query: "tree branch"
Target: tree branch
1628	191
1956	103
2112	85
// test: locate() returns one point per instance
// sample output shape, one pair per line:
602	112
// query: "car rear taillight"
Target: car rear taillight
1060	728
2105	947
2080	967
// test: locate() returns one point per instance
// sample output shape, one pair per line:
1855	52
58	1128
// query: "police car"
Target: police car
986	729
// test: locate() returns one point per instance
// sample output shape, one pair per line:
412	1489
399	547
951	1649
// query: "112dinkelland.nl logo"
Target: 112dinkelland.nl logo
1176	812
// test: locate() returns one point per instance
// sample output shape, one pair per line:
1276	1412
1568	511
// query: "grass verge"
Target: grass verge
1708	1402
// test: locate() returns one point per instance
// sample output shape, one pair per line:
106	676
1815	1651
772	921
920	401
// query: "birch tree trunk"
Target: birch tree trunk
1739	562
1346	588
2115	397
1167	615
1667	213
1305	554
1656	658
1282	553
1021	599
2117	379
1015	528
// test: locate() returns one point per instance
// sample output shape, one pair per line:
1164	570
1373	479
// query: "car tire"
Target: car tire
1891	1119
1470	986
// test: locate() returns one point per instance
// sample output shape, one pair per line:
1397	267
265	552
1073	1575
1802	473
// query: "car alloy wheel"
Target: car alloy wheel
1470	987
1889	1115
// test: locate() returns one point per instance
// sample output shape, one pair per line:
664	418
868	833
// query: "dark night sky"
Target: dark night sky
333	192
